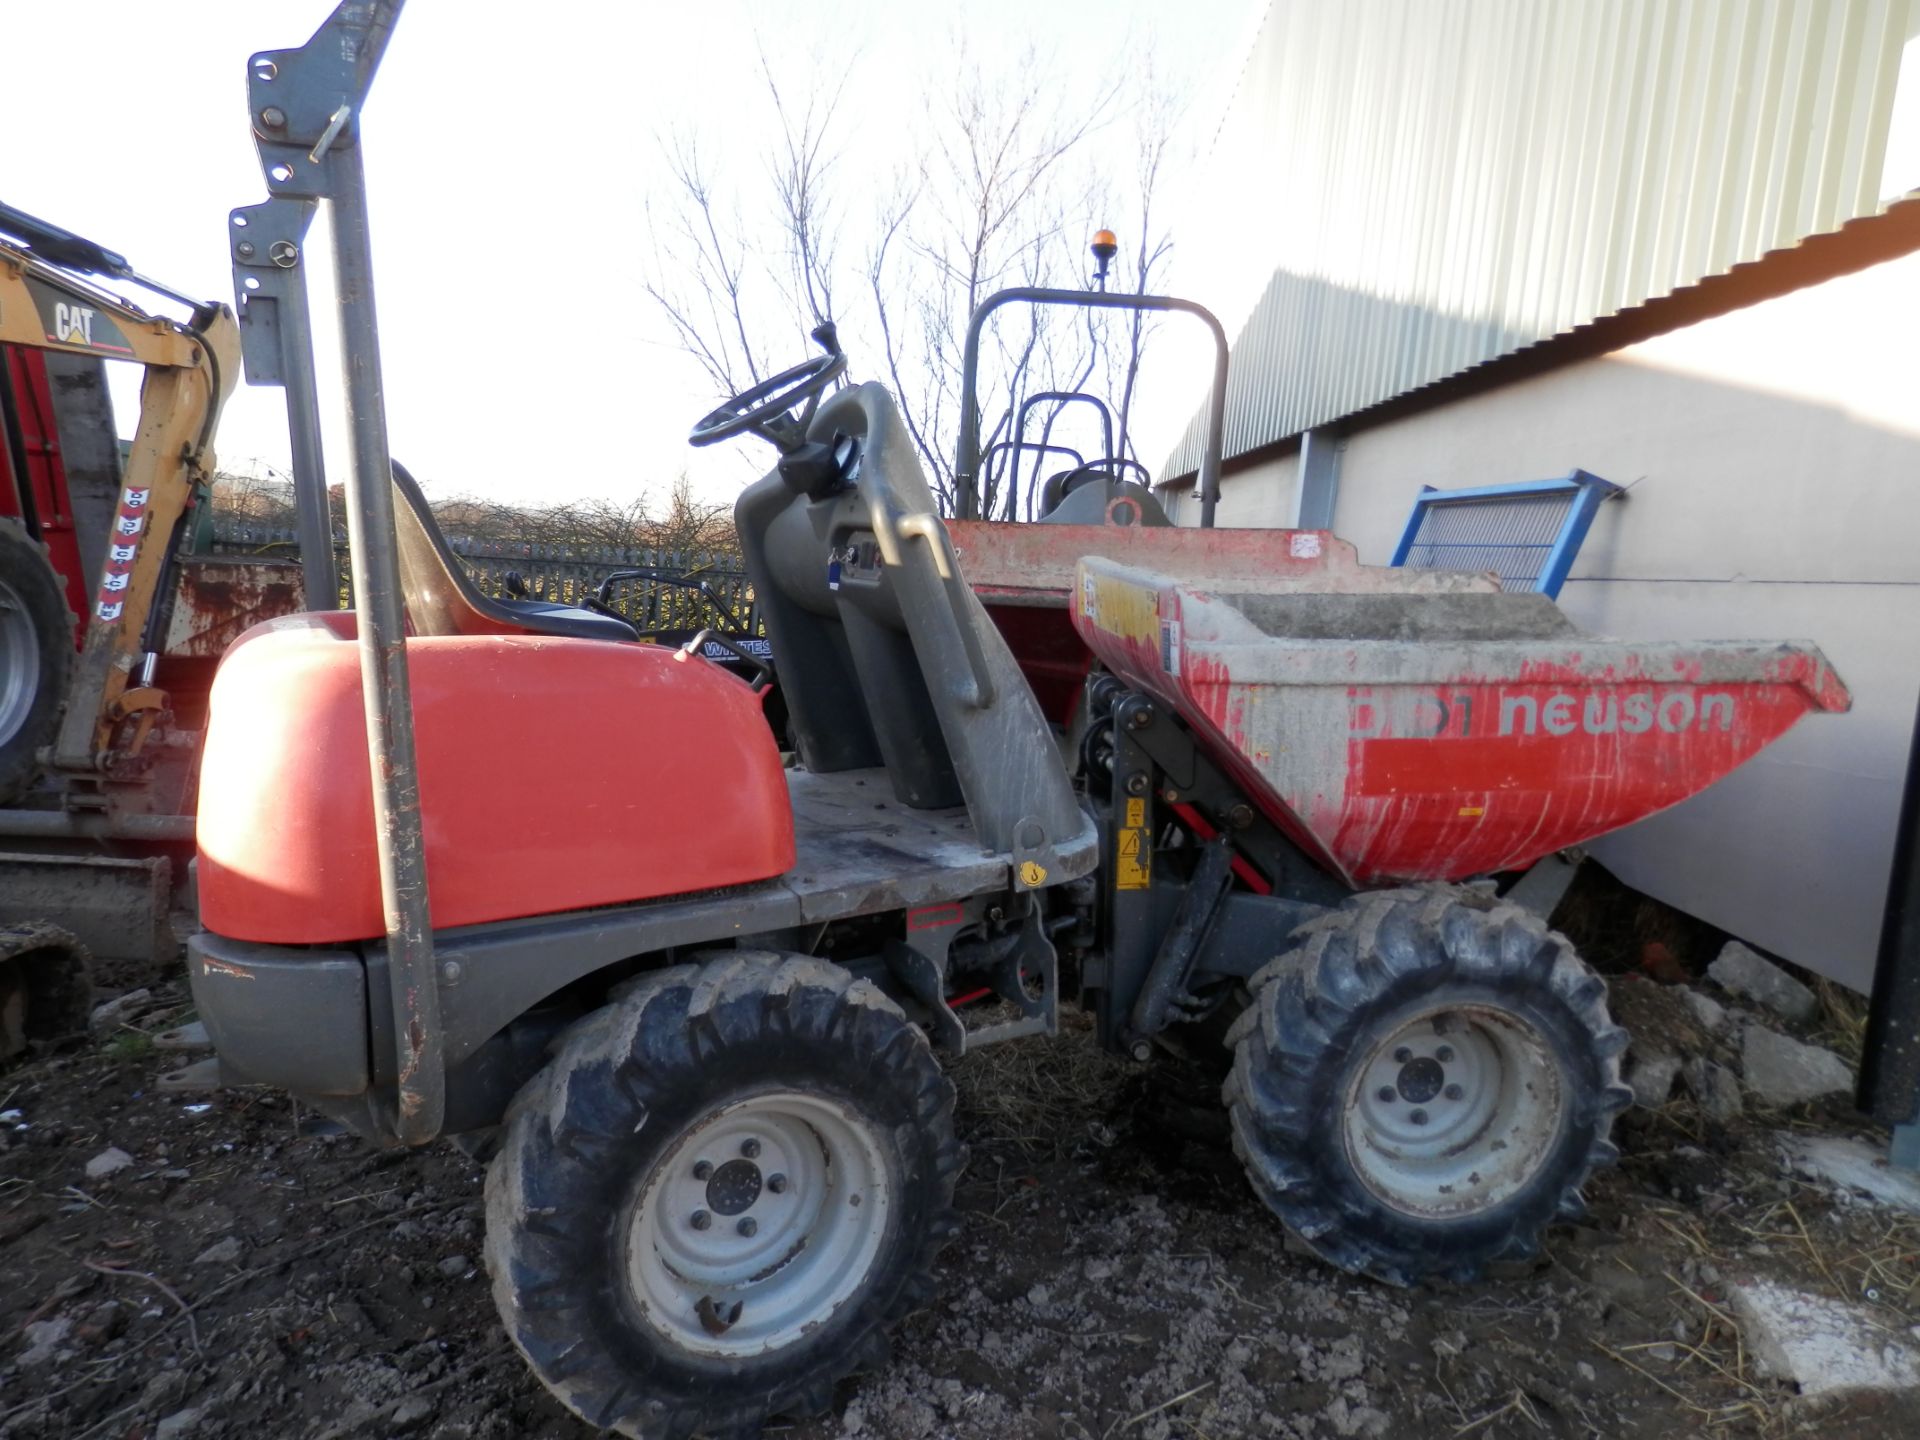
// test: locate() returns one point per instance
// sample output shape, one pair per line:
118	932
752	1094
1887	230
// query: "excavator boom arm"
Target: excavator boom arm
191	368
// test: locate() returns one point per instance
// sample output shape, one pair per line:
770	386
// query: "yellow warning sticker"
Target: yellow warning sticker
1133	866
1032	874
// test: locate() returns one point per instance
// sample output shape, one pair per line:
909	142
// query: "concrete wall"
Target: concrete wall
1773	460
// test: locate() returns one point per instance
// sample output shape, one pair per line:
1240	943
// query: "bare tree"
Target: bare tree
999	183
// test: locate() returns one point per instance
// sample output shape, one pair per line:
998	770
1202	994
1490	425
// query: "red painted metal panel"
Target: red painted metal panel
555	774
1441	760
44	485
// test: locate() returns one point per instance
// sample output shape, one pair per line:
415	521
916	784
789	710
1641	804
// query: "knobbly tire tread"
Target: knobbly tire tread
668	1047
31	574
1310	1013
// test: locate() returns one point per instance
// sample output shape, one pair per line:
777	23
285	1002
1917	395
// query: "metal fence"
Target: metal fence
678	589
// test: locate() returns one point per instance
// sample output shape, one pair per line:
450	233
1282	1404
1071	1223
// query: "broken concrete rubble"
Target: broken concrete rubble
1739	971
1716	1088
109	1161
1651	1073
1855	1168
1779	1070
1707	1011
1819	1344
42	1341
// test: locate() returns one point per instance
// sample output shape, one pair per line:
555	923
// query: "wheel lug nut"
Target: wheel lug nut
748	1225
777	1184
1419	1117
1453	1092
1386	1092
750	1148
1443	1054
701	1220
702	1170
1402	1055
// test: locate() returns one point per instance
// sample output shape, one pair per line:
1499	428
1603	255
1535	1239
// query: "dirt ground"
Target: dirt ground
246	1276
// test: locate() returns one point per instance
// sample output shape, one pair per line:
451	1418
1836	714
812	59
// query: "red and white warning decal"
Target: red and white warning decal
129	522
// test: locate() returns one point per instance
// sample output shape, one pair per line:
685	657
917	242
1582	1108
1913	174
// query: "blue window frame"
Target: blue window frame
1527	534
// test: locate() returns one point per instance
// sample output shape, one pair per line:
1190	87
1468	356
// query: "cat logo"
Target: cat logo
129	524
123	554
73	323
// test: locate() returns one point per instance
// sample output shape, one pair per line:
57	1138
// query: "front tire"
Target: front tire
36	657
720	1195
1424	1082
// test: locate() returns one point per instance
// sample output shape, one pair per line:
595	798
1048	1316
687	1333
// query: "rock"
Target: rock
103	1322
1651	1073
1356	1420
1704	1008
1782	1071
1854	1166
1038	1297
43	1340
410	1414
1739	971
1820	1344
1716	1088
110	1161
164	1390
109	1015
222	1252
180	1425
454	1266
855	1419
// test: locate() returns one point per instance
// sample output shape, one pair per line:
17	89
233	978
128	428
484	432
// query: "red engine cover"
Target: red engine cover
555	774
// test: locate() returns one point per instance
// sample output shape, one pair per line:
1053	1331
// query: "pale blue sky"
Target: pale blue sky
508	164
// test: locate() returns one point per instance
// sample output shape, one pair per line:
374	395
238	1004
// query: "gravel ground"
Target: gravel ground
242	1275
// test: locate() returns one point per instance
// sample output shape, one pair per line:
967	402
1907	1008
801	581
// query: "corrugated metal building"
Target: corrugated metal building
1499	240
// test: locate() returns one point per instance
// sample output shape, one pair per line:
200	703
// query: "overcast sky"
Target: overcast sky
509	160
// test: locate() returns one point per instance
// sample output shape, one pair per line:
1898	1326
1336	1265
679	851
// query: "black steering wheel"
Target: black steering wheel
765	410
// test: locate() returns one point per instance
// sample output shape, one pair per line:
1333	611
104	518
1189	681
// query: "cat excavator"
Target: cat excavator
108	630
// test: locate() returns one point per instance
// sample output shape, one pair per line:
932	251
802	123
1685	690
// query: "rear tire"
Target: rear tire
36	657
720	1195
1424	1082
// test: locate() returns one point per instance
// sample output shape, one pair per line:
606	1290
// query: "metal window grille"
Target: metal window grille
1527	534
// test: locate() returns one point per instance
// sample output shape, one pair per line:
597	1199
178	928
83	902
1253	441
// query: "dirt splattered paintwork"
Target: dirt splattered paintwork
1023	573
1441	759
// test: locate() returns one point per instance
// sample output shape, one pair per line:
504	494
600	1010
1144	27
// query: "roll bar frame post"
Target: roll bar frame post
966	463
305	109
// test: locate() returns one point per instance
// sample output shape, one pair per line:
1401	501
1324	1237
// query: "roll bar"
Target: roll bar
966	461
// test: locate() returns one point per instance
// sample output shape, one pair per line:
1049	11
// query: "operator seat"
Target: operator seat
442	600
1085	496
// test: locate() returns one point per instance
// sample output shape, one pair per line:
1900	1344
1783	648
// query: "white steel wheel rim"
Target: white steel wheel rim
1455	1112
796	1196
19	663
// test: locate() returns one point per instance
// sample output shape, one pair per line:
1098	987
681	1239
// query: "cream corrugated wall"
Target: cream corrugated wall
1437	182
